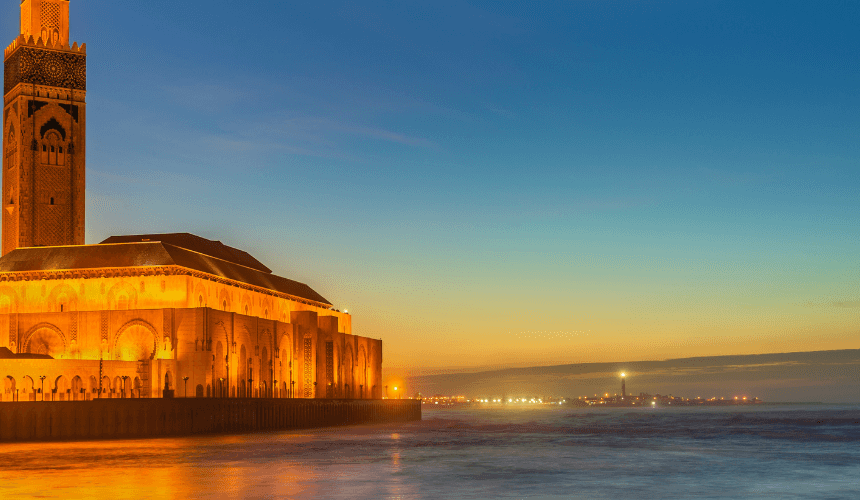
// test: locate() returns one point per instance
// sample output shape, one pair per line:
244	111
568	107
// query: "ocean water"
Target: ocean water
770	451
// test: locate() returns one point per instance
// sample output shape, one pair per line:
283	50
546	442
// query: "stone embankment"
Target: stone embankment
146	418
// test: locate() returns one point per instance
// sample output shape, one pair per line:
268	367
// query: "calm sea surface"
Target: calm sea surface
772	451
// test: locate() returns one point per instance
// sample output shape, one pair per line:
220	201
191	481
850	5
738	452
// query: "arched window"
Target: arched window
9	158
62	301
53	152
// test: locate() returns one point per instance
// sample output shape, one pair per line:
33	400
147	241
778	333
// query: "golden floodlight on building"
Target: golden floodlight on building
130	316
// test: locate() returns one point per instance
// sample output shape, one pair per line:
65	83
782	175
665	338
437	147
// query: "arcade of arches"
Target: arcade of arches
222	354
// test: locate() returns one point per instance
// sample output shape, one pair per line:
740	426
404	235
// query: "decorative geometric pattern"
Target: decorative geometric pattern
45	67
168	323
135	343
13	329
73	328
50	337
105	316
136	340
50	15
53	222
309	381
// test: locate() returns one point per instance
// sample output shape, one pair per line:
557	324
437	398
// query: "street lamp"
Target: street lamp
623	389
386	392
221	387
124	378
185	379
292	388
42	378
395	393
250	393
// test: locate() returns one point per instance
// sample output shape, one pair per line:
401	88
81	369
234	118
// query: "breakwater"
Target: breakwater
144	418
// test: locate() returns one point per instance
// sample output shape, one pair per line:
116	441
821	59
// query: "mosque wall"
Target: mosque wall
223	354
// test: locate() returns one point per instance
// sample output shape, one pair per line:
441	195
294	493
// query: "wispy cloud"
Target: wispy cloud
321	129
848	304
843	304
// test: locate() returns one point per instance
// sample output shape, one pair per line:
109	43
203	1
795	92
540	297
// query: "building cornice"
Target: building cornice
143	271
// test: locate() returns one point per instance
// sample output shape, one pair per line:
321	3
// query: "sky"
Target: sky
499	184
821	376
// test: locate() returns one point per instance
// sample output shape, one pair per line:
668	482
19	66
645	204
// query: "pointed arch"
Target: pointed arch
242	370
136	341
361	373
122	294
224	301
349	385
55	298
53	125
50	339
247	306
11	299
200	297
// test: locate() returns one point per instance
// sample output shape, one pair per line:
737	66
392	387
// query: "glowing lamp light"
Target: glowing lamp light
623	374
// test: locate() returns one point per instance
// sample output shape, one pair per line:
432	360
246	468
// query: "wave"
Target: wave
797	426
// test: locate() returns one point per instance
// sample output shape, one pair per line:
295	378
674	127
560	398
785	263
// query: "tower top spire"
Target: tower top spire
46	19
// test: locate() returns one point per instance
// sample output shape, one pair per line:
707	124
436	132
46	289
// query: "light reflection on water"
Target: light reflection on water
769	452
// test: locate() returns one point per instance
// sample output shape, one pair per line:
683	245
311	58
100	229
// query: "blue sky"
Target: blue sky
500	183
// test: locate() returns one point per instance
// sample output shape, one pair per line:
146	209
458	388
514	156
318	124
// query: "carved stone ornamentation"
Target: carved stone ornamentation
308	355
50	68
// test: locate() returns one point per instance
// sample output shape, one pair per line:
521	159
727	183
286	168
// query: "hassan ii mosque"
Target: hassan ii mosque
142	316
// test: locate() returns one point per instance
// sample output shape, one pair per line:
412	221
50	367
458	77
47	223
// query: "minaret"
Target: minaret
44	130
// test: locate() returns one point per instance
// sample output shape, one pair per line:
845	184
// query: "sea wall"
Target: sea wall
144	418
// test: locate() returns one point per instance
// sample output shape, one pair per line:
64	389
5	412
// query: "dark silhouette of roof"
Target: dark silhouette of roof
160	250
198	244
5	353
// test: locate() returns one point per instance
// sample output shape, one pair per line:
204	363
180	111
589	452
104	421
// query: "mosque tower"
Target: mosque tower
44	131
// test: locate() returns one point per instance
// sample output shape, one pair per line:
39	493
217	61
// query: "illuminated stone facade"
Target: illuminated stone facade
44	125
135	315
158	308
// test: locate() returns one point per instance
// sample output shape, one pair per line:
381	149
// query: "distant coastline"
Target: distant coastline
801	377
